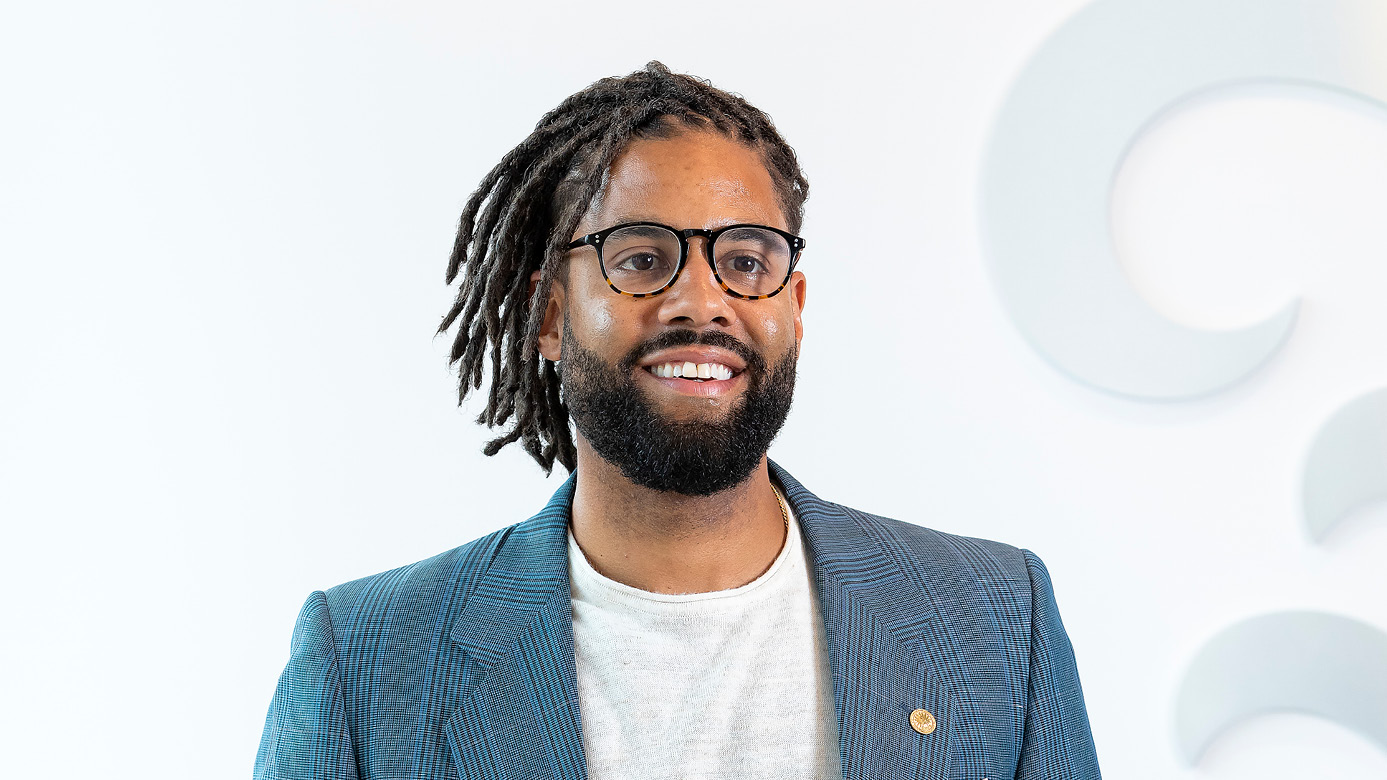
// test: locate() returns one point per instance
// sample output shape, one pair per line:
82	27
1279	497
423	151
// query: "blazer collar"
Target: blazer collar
519	712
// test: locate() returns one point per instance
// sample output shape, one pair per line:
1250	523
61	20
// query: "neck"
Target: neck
673	543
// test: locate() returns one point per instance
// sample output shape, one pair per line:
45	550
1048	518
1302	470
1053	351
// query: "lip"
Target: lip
697	355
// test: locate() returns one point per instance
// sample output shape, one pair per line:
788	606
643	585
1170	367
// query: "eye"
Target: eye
639	262
743	263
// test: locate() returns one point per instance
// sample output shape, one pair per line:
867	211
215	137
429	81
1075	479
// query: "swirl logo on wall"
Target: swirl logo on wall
1059	139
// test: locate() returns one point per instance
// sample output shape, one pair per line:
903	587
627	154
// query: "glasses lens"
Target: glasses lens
640	258
752	261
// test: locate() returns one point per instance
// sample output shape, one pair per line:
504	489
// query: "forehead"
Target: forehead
693	179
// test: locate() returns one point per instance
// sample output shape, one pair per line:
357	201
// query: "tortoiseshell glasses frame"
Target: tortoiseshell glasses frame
794	246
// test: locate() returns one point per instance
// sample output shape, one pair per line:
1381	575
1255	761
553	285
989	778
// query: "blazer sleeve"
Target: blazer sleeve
306	736
1057	742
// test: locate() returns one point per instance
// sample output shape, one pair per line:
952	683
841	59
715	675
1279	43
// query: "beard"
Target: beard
693	457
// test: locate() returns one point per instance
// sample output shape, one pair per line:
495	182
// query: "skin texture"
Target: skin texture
660	541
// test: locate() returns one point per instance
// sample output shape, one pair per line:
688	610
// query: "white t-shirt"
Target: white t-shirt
729	684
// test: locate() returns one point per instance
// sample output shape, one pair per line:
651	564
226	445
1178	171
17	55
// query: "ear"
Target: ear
551	330
797	288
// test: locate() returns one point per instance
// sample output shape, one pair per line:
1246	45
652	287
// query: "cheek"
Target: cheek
598	321
603	322
770	331
775	328
590	314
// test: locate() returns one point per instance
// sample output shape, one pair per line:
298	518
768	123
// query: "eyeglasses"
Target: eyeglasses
641	259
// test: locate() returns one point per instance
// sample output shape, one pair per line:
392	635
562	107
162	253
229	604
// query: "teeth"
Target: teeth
691	370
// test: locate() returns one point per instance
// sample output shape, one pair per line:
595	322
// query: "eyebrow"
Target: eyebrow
644	230
621	219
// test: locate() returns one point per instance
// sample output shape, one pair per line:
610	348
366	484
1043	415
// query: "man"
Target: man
682	607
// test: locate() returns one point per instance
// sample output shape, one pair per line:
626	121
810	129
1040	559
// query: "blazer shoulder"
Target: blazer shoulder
416	588
936	555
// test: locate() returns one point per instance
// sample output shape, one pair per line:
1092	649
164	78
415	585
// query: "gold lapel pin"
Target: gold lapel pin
922	721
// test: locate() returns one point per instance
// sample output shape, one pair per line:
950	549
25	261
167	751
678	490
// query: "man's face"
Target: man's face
672	433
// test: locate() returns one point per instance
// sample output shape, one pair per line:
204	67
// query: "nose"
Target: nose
696	300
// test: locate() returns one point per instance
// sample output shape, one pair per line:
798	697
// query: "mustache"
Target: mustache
756	365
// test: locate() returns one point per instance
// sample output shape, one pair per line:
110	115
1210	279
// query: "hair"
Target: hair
524	212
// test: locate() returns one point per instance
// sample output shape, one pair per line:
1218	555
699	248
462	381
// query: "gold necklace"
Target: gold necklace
784	515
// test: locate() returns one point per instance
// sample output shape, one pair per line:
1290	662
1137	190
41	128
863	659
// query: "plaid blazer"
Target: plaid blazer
462	665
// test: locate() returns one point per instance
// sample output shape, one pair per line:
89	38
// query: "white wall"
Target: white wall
224	230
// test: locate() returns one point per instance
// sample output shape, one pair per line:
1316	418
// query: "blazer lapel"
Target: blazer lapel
519	713
886	646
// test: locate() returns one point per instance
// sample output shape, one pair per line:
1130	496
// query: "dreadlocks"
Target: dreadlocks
525	211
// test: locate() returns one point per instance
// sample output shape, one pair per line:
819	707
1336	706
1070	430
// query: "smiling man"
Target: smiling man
682	607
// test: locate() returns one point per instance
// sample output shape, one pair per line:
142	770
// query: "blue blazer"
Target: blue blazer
462	665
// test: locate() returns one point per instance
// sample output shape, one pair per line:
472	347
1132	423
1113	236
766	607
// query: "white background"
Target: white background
224	229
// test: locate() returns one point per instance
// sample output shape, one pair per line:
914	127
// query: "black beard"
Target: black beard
693	458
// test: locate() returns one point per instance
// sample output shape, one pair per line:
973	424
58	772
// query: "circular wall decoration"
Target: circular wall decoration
1058	142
